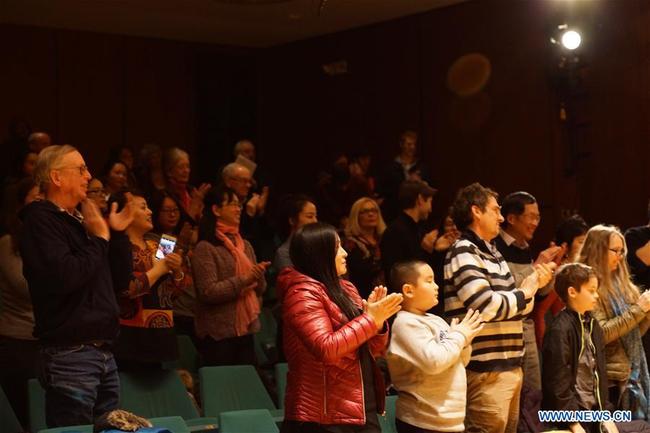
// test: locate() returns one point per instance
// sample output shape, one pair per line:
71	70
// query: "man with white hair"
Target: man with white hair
65	256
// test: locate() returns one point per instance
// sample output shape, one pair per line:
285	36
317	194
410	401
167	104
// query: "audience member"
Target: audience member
295	212
403	239
147	337
406	166
18	347
623	314
638	242
331	338
98	194
427	357
570	234
176	165
362	183
115	177
167	221
477	277
149	170
228	282
520	220
575	376
66	264
38	141
363	232
246	149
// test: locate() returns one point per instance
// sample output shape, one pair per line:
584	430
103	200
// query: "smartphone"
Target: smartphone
166	246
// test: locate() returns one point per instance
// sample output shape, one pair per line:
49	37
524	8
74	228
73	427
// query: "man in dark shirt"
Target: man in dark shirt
404	239
66	264
638	256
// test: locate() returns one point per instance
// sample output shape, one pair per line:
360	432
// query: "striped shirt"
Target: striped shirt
477	276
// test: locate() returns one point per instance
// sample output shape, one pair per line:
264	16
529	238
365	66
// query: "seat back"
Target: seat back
8	421
36	395
155	393
229	388
247	421
387	422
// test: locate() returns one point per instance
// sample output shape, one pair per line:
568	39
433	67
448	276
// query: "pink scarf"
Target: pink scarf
248	306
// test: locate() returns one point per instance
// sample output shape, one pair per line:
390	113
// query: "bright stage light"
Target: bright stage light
571	40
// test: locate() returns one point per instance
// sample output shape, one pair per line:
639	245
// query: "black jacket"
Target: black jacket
562	344
401	241
69	276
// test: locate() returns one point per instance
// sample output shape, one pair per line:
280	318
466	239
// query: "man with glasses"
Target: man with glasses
520	220
65	256
478	278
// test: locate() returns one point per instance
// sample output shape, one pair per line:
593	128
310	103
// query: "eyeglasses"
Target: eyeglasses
173	210
83	168
618	252
368	211
532	217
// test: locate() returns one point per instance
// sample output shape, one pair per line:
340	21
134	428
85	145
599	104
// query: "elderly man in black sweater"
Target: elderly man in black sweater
66	263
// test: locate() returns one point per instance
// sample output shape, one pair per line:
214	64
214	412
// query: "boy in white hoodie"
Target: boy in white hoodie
427	356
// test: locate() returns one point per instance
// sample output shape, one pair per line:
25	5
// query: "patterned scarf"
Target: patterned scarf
248	306
637	389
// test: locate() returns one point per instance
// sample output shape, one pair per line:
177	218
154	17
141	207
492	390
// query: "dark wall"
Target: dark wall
98	91
510	135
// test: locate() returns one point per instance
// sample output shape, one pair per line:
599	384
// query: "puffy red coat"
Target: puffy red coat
324	384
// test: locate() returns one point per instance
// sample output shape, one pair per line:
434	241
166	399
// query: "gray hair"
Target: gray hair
230	170
171	157
47	160
239	146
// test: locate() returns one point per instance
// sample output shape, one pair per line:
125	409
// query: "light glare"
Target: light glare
571	40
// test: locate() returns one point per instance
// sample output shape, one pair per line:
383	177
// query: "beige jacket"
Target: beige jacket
618	364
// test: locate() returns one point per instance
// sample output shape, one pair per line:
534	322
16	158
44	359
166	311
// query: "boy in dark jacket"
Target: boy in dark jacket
574	373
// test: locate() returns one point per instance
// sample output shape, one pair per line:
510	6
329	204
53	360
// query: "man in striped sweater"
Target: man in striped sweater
478	277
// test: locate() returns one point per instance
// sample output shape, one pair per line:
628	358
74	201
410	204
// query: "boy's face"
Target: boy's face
424	294
587	298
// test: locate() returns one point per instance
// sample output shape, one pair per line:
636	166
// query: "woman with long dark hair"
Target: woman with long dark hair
331	337
228	282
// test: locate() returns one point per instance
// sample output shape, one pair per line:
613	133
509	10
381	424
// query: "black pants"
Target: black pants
229	351
18	364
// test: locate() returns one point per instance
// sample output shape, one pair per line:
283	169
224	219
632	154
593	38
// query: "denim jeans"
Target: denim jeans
81	384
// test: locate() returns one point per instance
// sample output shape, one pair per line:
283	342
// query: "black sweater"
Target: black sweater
69	276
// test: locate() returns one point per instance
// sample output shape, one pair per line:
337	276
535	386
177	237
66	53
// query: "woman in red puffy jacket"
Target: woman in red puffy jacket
331	338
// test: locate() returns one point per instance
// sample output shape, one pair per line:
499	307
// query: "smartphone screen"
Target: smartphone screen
166	246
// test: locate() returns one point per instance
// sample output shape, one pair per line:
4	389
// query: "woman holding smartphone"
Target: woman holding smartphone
147	336
331	338
228	282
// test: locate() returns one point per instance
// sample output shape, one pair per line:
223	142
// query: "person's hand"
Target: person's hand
644	301
549	254
610	426
381	308
545	273
174	261
576	428
93	220
470	326
119	221
196	200
429	240
444	242
264	197
256	272
251	205
377	294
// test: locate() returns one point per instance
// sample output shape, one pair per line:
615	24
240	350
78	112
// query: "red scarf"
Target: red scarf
248	306
180	189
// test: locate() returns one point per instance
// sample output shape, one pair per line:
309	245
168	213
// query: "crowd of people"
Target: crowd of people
469	328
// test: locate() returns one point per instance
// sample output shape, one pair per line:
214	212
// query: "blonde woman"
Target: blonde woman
623	314
363	232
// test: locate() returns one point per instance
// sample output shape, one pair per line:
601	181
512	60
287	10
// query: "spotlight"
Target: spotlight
571	39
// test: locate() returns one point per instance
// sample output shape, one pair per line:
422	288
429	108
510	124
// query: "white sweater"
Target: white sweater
427	366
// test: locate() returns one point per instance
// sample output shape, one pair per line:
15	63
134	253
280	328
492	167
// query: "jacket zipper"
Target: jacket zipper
363	393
